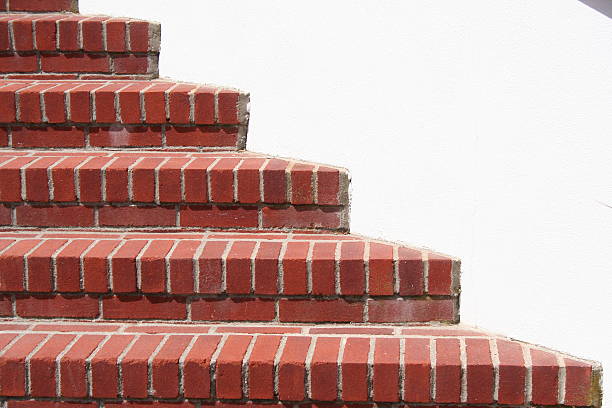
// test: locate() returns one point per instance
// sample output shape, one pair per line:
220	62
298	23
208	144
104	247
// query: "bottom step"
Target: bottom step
56	365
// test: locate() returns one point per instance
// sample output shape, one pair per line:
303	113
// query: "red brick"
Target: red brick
104	99
6	306
55	216
28	137
320	311
545	378
577	383
143	179
355	369
169	184
211	267
229	367
68	34
196	180
204	106
480	380
3	137
295	280
116	35
296	217
337	329
125	136
68	265
238	267
62	175
39	270
30	109
380	264
43	366
134	367
410	272
228	107
73	373
266	268
129	102
411	310
222	180
201	136
165	367
181	267
7	100
95	277
49	404
5	42
301	184
23	36
104	372
81	102
324	369
36	181
46	34
82	63
261	367
275	181
57	306
137	216
248	180
153	266
90	177
144	307
117	180
12	367
385	381
233	309
11	265
131	64
219	216
328	186
139	36
324	268
352	268
55	103
93	40
123	266
448	371
196	369
417	370
292	369
440	275
18	63
155	103
179	103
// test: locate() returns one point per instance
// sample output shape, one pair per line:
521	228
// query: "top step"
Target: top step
39	6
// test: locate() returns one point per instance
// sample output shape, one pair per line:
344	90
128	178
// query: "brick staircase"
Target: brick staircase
148	260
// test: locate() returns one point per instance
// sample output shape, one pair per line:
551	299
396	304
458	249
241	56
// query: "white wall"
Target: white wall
478	128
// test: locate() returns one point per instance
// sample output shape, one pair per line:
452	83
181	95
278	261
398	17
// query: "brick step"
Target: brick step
39	6
167	189
230	366
73	46
222	276
99	114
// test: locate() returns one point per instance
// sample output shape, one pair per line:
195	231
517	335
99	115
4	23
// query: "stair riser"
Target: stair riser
36	45
207	368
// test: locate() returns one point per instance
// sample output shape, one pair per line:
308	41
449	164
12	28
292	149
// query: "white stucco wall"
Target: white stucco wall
479	128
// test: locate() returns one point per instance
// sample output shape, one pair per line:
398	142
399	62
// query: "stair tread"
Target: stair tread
333	363
224	276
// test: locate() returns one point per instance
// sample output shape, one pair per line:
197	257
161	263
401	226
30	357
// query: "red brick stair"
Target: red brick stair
148	260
